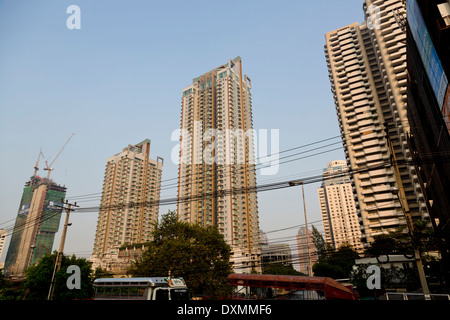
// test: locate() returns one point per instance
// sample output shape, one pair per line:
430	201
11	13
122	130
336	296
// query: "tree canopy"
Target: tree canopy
338	263
38	278
198	254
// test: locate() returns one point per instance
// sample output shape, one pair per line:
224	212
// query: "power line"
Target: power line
239	170
234	191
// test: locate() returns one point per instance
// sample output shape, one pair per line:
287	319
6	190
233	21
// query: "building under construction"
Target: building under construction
36	224
37	221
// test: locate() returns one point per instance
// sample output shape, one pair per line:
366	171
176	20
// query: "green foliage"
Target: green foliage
38	279
102	273
10	290
321	246
394	243
325	269
390	278
337	264
401	242
199	255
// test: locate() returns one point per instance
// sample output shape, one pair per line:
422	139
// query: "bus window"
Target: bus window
161	294
307	295
179	294
102	292
115	292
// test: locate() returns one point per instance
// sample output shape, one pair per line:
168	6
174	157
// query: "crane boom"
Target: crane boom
49	167
36	168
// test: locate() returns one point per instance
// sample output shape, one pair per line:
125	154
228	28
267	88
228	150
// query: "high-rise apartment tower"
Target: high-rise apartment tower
129	203
367	70
216	177
337	205
307	251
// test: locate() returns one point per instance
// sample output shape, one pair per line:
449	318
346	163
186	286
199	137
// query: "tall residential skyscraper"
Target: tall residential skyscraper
337	205
307	251
216	176
36	225
367	70
3	234
129	204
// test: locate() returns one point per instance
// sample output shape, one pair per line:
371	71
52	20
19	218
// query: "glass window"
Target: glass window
162	294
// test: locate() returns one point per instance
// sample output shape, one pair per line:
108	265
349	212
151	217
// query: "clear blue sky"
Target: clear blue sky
118	80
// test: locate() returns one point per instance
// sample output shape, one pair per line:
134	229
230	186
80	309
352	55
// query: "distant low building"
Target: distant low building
279	253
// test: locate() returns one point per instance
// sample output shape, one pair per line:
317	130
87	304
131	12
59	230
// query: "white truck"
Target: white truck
151	288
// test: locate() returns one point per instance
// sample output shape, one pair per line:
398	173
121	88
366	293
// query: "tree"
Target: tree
321	246
345	258
38	279
102	273
199	255
338	264
390	278
325	269
10	290
393	243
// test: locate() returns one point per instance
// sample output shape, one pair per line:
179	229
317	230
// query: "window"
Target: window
161	294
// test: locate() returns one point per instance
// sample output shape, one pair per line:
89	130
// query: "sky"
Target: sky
118	80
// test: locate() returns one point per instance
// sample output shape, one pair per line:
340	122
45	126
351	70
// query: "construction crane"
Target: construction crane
49	166
36	168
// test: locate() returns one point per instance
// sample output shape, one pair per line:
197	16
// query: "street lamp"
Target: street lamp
295	183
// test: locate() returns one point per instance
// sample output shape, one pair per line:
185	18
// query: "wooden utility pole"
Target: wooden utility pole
409	222
61	246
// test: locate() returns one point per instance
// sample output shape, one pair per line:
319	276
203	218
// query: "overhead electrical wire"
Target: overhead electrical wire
91	196
265	187
239	170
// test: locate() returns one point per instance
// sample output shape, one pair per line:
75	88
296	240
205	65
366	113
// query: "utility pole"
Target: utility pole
61	246
407	213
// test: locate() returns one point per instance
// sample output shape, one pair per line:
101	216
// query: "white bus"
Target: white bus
153	288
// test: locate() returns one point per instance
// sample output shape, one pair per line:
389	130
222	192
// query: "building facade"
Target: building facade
216	176
338	209
428	44
129	204
3	235
36	224
307	251
276	253
368	76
